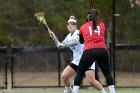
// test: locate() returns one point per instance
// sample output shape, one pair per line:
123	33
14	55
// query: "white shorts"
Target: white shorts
77	63
92	66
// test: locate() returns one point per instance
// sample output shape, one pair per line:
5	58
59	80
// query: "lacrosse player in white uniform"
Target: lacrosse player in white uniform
72	41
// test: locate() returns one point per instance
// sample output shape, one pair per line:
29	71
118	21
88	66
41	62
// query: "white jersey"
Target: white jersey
72	41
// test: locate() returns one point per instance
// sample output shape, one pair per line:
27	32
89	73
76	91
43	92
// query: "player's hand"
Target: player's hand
60	45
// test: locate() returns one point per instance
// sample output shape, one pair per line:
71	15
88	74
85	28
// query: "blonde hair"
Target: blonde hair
72	18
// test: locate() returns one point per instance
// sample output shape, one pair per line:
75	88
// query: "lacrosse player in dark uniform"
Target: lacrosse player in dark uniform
92	35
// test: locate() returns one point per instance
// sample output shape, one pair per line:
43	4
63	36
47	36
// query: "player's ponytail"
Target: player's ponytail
93	16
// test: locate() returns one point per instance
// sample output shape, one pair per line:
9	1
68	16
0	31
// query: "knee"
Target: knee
64	77
91	80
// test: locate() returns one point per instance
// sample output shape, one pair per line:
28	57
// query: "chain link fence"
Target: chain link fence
41	67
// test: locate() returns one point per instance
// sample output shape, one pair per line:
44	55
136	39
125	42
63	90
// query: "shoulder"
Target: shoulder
102	26
76	32
68	35
101	23
83	26
86	24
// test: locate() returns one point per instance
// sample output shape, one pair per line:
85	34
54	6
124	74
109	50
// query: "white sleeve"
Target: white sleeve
70	42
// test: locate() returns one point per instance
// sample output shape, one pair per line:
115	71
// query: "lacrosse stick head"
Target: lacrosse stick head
40	17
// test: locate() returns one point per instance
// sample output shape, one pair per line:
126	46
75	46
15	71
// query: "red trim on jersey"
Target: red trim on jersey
93	38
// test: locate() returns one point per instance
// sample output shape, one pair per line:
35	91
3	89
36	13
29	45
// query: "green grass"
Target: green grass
53	90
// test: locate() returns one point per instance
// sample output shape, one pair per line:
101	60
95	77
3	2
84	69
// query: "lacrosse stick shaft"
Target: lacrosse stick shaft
47	27
90	5
54	38
52	35
40	17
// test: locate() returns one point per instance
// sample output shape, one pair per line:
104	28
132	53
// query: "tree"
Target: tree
19	26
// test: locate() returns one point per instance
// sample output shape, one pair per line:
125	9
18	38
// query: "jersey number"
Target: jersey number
95	31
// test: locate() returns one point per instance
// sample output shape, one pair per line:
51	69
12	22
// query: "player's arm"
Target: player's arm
54	37
71	42
66	42
81	39
56	41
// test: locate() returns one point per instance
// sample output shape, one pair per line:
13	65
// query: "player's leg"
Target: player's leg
85	63
97	72
90	75
103	63
66	74
109	78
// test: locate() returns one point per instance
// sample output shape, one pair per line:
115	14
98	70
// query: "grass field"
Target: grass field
120	90
31	79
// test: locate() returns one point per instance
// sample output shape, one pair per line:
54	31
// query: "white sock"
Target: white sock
75	89
112	89
103	91
68	88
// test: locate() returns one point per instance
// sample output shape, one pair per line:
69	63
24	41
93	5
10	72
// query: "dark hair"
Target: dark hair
93	16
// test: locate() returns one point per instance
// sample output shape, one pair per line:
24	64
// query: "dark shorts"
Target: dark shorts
96	54
75	67
100	55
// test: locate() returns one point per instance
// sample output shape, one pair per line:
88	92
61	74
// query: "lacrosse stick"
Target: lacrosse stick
40	17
